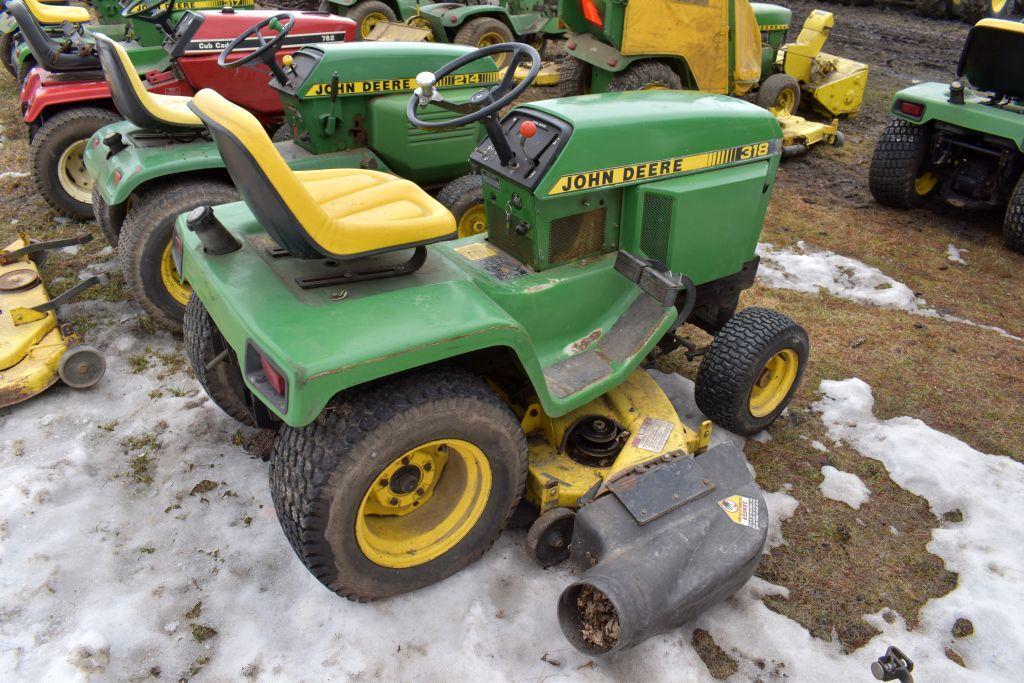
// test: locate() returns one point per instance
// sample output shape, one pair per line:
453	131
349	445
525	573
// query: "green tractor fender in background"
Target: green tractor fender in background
971	116
446	18
609	61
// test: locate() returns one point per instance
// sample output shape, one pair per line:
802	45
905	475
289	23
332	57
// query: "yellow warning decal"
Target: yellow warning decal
620	175
774	27
477	251
401	84
742	510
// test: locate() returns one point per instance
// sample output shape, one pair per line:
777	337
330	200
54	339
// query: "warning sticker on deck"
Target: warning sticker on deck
494	262
742	510
653	435
477	251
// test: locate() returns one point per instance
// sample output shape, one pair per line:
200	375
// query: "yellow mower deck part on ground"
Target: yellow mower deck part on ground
798	131
548	74
397	32
835	85
652	430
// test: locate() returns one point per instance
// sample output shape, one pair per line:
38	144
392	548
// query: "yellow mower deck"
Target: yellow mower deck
31	343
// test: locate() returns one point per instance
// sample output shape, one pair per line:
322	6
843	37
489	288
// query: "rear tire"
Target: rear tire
56	156
367	14
646	75
934	9
323	475
895	177
7	46
751	370
143	247
973	11
464	197
779	91
1013	224
485	31
223	382
573	77
109	218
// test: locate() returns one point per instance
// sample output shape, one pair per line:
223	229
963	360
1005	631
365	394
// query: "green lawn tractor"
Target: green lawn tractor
729	47
961	142
345	108
424	385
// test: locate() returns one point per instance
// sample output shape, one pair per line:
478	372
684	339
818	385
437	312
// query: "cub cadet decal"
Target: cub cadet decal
620	175
182	5
218	44
400	84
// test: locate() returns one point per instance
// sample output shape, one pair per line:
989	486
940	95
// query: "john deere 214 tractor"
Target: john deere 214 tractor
345	108
424	385
962	142
730	47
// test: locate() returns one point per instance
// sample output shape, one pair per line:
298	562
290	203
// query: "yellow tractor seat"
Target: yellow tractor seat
151	111
339	213
51	14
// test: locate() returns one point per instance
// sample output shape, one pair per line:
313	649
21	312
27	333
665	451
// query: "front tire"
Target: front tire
367	14
1013	223
223	381
485	31
752	369
897	176
779	93
573	77
347	488
645	75
57	159
145	240
464	197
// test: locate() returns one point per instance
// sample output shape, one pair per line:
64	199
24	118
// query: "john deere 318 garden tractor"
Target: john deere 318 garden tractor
344	106
962	142
731	47
426	384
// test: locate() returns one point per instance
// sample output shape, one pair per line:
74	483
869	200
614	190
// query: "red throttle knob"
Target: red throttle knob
527	129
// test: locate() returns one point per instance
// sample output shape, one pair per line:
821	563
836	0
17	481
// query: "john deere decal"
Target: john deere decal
620	175
400	84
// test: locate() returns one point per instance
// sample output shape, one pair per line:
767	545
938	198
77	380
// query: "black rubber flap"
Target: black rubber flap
662	487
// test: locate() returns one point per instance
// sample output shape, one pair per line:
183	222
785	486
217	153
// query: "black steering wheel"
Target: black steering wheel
151	11
266	49
485	104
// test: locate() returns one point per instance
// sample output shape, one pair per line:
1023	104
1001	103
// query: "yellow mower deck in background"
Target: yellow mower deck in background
34	351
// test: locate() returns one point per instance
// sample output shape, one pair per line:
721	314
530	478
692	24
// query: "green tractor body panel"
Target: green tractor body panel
526	19
706	161
774	22
974	114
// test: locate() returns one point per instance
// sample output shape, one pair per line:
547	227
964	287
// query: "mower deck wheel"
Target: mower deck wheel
483	32
215	363
56	156
780	93
109	218
464	197
548	540
81	367
897	177
399	484
144	247
367	14
751	370
649	74
1013	223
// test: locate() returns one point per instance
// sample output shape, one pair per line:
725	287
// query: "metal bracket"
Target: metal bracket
7	257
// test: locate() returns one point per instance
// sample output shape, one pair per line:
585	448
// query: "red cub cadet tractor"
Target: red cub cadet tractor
62	111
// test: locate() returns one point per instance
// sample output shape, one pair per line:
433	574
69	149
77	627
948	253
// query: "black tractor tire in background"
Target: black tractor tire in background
57	135
7	45
934	9
223	381
778	89
973	11
484	31
573	77
109	218
320	473
737	359
464	197
22	68
371	10
896	165
146	233
649	74
1013	223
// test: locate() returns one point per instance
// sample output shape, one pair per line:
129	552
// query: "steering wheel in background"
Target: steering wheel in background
151	11
266	50
485	104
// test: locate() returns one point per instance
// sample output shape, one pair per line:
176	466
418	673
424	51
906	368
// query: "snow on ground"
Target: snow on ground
115	567
805	269
956	255
845	487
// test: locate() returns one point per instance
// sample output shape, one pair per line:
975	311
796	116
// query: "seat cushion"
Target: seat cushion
370	211
50	14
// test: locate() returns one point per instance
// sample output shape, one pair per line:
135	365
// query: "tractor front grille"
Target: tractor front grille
657	218
576	236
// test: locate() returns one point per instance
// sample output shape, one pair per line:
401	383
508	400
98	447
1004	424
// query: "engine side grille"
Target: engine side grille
576	236
657	218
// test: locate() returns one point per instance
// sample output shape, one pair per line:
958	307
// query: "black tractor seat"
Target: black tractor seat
49	53
993	58
151	111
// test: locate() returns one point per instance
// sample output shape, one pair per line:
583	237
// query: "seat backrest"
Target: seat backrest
993	57
269	187
44	48
57	14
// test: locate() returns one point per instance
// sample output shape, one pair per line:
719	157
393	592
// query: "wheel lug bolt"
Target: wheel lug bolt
427	467
383	482
405	461
419	491
393	501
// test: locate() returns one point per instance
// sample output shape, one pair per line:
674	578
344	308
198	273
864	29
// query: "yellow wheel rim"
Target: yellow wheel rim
998	6
774	382
784	102
169	276
494	38
370	22
71	173
422	504
925	183
424	23
473	222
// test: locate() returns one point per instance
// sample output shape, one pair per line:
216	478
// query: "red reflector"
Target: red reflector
527	129
275	378
912	109
117	176
590	12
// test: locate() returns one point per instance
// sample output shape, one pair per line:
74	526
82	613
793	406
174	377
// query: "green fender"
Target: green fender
444	17
607	60
974	114
325	4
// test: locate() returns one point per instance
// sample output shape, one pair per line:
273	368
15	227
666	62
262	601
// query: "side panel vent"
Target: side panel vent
657	219
576	236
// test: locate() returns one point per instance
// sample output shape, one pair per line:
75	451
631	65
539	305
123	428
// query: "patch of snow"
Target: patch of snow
955	255
819	446
762	436
70	251
105	251
893	530
781	507
13	174
845	487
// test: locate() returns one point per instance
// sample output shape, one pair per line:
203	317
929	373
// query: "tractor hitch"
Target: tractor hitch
664	543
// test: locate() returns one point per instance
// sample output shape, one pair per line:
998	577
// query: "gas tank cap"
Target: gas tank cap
228	10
